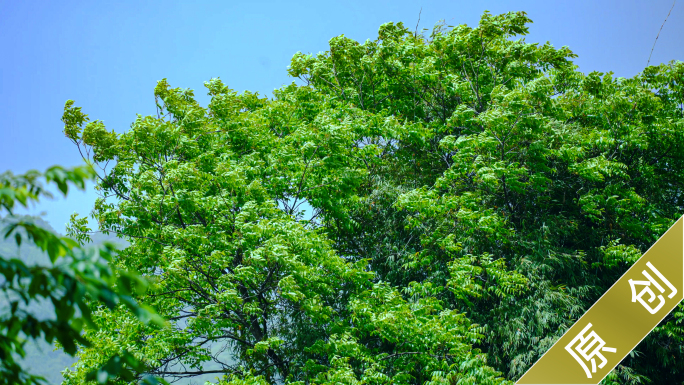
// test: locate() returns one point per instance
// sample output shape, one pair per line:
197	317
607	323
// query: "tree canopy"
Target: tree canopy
418	210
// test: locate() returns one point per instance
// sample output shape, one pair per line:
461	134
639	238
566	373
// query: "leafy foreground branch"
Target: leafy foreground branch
424	210
78	281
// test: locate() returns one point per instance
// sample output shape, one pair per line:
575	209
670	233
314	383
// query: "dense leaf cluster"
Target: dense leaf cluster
75	278
423	210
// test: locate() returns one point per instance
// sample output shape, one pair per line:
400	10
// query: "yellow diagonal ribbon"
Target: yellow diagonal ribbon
620	319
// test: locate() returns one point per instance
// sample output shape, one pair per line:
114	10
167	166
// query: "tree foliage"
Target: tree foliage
468	196
77	280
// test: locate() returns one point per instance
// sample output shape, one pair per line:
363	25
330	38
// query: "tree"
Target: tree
471	195
78	280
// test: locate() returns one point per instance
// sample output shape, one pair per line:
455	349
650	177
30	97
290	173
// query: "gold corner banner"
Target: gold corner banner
619	320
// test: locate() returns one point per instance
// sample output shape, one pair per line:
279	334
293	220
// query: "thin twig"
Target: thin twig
654	44
416	31
661	28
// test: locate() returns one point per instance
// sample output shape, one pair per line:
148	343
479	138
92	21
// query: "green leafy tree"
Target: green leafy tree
76	281
469	196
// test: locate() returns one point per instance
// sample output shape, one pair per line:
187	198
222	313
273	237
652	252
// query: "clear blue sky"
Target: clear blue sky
108	56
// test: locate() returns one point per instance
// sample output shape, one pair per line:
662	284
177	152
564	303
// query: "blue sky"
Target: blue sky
108	56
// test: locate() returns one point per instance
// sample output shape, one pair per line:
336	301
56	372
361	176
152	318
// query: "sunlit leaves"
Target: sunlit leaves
468	196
